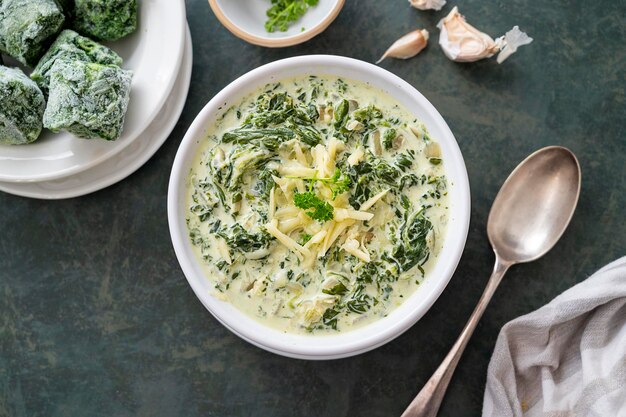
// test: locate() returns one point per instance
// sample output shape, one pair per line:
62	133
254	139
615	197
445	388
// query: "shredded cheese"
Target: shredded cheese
272	207
289	225
299	154
288	211
316	238
323	163
341	214
297	171
352	247
291	244
222	248
356	156
283	183
369	203
334	146
337	230
300	185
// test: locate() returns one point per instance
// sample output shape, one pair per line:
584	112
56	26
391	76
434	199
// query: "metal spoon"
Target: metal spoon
528	216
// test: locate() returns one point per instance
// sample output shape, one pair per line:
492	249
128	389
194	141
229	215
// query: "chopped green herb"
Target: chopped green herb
322	210
285	12
338	183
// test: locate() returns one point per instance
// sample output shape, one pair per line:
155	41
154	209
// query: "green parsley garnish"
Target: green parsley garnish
322	210
336	183
285	12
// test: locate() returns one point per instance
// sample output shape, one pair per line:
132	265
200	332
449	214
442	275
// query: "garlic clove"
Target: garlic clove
428	4
461	41
512	40
407	46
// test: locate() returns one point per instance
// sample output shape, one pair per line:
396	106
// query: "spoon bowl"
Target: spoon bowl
527	218
534	205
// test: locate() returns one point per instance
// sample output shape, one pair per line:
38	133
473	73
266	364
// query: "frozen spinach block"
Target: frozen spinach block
105	19
26	26
21	107
87	99
71	46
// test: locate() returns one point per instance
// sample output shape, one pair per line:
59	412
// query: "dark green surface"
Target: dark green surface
96	317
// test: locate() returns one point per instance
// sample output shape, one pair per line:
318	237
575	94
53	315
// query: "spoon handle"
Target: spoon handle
428	401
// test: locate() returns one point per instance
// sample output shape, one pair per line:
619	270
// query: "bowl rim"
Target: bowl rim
301	37
307	346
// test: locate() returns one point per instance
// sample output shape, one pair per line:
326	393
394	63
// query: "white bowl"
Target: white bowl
246	20
414	307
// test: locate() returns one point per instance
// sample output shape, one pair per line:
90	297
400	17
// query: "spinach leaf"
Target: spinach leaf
276	119
238	239
411	248
268	138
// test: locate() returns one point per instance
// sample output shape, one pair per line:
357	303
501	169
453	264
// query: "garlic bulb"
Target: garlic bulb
462	42
428	4
407	46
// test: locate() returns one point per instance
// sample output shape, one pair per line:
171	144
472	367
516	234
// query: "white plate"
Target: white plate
133	157
154	53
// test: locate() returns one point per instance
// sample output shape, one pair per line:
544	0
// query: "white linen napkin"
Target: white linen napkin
566	359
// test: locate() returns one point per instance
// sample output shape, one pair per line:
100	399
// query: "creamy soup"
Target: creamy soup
317	204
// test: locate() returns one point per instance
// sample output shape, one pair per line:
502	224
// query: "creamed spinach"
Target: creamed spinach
317	204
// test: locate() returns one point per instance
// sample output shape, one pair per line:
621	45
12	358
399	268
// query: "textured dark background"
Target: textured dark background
97	319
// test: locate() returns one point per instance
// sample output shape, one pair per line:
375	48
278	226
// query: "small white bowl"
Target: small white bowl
246	20
414	307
